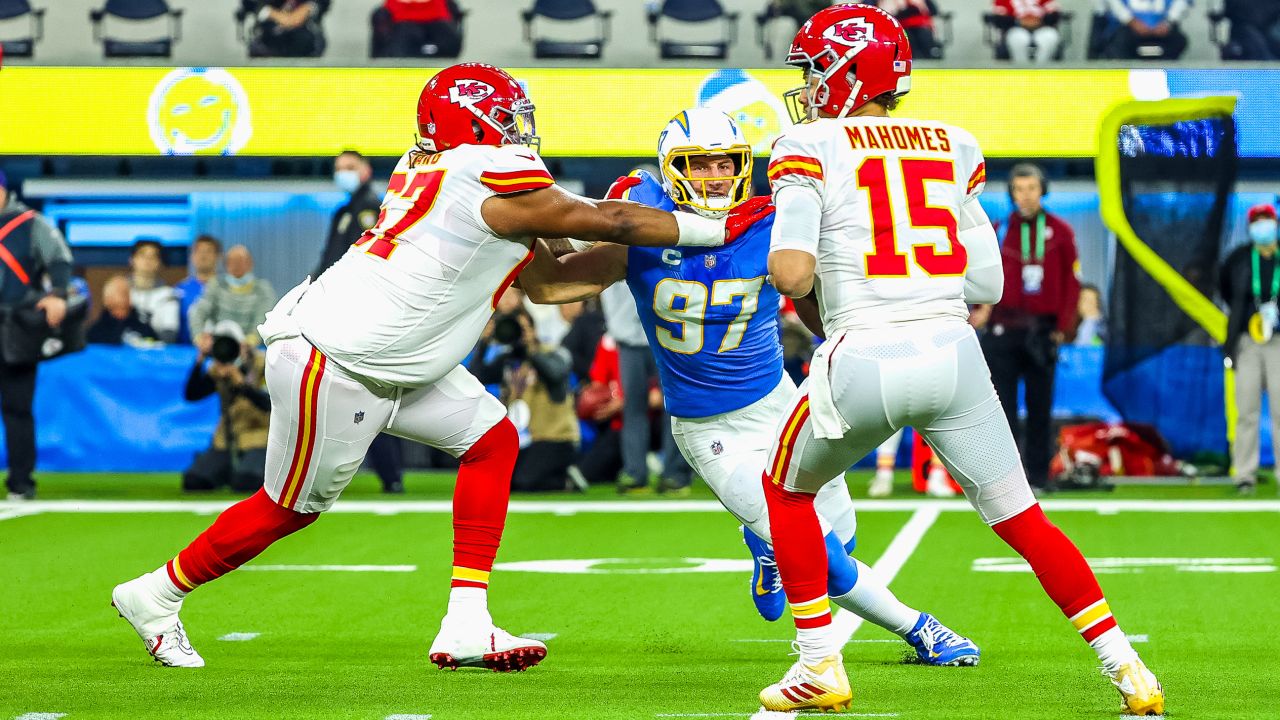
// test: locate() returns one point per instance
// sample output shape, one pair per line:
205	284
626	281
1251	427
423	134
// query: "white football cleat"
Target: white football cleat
824	687
1140	691
881	484
156	622
938	485
461	644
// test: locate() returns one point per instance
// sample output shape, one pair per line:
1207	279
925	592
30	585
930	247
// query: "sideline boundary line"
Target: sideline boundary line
9	510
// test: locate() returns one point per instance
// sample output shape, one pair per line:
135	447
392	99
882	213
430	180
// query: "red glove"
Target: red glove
621	186
745	215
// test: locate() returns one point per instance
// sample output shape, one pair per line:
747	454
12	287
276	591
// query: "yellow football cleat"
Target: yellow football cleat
819	687
1140	692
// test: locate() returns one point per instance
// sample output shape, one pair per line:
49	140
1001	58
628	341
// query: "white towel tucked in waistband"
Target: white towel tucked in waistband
279	324
828	423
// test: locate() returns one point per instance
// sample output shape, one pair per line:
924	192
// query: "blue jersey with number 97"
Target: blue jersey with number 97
710	315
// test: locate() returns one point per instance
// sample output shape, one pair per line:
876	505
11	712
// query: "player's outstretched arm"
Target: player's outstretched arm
551	280
553	212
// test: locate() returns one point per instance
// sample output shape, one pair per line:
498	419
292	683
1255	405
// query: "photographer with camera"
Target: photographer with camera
34	317
238	456
535	388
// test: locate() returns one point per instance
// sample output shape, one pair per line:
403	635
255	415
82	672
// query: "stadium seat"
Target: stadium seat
566	11
136	12
694	12
993	35
1221	34
16	10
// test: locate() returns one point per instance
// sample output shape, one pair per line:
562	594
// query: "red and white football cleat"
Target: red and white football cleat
156	622
465	645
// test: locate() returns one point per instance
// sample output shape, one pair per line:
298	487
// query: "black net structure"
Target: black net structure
1175	181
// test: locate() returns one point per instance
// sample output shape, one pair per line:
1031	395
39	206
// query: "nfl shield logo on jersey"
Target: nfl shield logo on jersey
716	447
359	417
709	261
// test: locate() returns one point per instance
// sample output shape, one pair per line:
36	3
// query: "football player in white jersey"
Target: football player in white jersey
879	219
374	345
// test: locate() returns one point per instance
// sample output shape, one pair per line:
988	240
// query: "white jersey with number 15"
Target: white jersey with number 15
892	192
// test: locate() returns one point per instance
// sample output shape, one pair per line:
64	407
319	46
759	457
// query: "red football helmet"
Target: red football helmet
474	104
850	55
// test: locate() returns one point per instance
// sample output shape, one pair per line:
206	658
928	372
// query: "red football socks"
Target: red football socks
801	554
1061	570
239	534
480	504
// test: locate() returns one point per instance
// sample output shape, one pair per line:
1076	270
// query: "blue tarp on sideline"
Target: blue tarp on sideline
120	409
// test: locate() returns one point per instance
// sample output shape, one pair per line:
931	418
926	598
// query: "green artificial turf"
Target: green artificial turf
354	645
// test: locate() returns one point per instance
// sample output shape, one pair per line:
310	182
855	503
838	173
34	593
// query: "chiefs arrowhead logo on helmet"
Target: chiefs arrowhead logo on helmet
853	32
469	92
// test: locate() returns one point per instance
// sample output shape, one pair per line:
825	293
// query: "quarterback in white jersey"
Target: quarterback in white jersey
878	220
375	343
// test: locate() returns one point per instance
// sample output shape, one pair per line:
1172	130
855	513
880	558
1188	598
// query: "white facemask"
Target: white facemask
347	180
1262	232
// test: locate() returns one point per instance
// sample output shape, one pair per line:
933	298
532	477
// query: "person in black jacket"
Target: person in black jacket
237	458
120	323
1250	284
353	174
34	277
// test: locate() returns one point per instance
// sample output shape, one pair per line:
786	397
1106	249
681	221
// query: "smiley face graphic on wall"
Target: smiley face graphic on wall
199	111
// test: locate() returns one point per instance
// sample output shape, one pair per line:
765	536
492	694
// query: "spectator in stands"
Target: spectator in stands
534	378
1029	25
1249	281
206	253
916	18
798	10
638	373
353	174
417	28
238	296
1034	316
287	28
157	303
1091	328
34	276
238	455
1255	27
120	323
1143	29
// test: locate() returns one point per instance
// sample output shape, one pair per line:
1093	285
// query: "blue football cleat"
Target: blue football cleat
936	644
766	584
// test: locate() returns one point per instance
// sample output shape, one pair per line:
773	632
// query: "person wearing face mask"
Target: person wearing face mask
237	296
1249	283
353	175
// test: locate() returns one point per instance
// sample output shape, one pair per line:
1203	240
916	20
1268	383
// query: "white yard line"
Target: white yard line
890	562
239	637
541	637
332	568
41	716
542	507
408	717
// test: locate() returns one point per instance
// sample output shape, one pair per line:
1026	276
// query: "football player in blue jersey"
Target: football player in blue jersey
711	318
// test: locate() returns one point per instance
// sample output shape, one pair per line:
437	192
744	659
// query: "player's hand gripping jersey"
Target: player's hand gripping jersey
409	300
893	194
710	315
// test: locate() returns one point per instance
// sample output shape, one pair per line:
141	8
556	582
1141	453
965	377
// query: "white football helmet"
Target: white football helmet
703	131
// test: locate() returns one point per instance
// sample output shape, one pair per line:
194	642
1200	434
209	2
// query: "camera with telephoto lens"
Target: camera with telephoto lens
508	331
225	349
